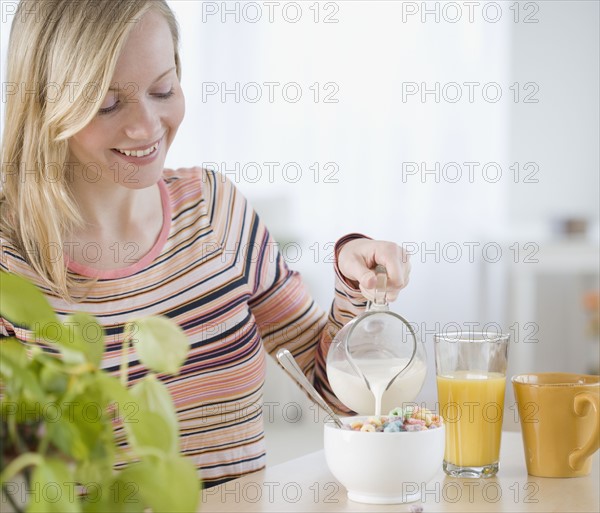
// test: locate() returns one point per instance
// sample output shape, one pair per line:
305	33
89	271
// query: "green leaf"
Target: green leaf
118	495
79	426
15	370
66	436
53	380
153	396
148	430
52	330
55	485
160	344
169	484
95	429
98	472
12	348
116	394
80	338
85	335
23	303
41	360
22	411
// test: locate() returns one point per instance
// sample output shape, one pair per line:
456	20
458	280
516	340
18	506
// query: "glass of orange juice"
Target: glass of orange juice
471	375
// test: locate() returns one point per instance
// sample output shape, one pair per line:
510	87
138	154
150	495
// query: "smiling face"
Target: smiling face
138	119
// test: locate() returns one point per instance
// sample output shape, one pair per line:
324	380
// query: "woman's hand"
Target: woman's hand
357	259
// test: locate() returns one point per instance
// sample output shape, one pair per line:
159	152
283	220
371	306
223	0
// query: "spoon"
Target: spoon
288	362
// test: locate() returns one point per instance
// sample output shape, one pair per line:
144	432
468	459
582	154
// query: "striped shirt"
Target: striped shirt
214	270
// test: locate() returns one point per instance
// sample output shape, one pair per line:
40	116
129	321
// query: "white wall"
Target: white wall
560	57
561	54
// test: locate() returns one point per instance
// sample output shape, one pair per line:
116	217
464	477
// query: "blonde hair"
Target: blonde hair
54	45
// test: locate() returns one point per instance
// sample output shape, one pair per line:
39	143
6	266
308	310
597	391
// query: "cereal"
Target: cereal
376	421
410	418
396	412
392	427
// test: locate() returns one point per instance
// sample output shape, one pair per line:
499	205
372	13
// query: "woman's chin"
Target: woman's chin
138	176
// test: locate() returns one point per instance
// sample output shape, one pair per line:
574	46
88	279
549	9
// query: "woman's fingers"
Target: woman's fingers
357	260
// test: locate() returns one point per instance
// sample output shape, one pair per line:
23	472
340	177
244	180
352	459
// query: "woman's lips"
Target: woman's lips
143	159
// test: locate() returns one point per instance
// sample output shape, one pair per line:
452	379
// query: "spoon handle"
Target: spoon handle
288	362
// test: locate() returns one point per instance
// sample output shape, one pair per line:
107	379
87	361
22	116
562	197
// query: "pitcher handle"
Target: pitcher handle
380	285
578	456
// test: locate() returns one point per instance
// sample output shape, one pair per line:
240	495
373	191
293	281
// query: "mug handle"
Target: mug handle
578	456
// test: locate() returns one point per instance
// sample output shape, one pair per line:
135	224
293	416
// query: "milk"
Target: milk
351	389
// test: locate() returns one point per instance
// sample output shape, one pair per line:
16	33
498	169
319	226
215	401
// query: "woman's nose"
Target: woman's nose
143	121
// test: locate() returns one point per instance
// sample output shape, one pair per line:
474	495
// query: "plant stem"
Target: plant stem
124	359
43	446
19	464
80	369
14	435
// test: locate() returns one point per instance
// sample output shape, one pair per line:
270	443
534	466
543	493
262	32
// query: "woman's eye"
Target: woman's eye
114	106
106	110
111	101
168	94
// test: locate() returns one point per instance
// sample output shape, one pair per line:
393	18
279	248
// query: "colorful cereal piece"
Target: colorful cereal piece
424	415
410	411
392	427
396	412
413	421
376	421
410	418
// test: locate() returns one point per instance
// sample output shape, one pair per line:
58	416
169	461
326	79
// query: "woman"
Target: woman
92	217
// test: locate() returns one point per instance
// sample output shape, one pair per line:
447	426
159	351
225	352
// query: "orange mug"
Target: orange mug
560	422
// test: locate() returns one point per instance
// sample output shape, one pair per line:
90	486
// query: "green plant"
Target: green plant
60	413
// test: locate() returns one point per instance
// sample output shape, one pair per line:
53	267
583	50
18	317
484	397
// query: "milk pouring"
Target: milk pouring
375	362
351	390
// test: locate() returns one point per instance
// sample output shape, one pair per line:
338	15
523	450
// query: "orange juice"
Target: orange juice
471	404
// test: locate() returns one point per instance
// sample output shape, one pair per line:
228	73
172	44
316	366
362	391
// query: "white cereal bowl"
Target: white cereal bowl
383	468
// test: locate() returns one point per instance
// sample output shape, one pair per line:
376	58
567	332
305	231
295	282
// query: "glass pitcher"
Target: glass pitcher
375	362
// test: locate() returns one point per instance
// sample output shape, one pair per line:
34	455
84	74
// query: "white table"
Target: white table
306	485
